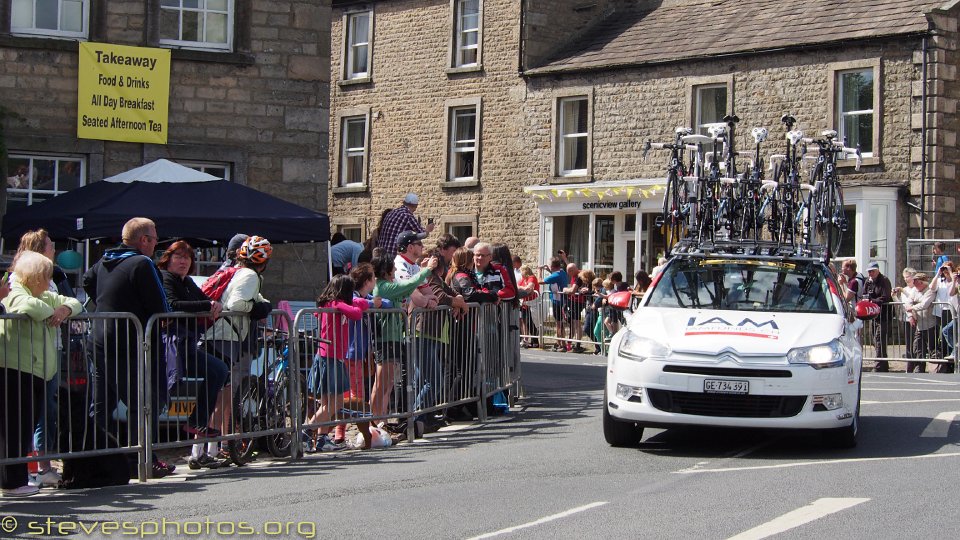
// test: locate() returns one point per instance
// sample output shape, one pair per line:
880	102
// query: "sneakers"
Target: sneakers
161	469
308	443
326	444
48	478
205	461
951	356
22	491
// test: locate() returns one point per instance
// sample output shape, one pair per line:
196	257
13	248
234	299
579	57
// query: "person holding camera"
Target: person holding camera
401	219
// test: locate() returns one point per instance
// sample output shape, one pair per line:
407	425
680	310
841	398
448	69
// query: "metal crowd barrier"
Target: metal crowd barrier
243	388
891	337
563	321
124	390
85	408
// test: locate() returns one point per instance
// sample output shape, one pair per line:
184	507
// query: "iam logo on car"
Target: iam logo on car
747	327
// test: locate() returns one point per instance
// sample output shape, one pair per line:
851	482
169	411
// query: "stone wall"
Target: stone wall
630	106
263	108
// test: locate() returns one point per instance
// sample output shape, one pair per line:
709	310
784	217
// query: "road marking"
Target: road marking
909	401
801	516
809	463
541	520
940	426
932	390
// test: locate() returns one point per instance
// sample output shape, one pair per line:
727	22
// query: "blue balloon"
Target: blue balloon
69	260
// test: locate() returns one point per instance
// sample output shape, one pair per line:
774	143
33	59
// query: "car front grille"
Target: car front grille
729	372
729	405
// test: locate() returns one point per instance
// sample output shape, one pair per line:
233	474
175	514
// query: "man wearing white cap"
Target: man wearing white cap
399	220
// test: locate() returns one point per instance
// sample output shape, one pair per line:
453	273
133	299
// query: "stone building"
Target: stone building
248	101
524	121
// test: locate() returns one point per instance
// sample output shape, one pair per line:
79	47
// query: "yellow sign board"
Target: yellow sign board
123	93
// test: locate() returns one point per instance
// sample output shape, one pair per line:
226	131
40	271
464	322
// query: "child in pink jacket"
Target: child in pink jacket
329	377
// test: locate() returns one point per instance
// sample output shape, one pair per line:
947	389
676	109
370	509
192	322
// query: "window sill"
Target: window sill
871	161
354	82
465	69
572	179
350	189
220	57
56	43
460	184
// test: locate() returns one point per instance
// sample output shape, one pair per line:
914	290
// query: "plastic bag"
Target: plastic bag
379	438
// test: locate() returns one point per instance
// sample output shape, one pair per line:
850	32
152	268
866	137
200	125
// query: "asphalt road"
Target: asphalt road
545	472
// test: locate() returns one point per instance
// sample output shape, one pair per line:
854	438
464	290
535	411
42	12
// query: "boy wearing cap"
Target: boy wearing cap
398	220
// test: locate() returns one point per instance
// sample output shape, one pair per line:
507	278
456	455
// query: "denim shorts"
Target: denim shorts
328	376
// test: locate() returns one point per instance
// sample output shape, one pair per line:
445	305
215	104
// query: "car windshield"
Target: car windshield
743	286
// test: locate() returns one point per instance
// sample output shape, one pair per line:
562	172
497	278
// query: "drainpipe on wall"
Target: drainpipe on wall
923	142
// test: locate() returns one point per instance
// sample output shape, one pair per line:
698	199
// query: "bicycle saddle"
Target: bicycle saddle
829	134
795	136
759	134
717	130
696	139
683	131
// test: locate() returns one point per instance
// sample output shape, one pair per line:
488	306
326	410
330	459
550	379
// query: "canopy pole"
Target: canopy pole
329	261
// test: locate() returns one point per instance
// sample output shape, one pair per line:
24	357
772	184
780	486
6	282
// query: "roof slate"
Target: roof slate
684	30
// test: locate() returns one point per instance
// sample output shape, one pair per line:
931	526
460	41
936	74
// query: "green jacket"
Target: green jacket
391	324
31	346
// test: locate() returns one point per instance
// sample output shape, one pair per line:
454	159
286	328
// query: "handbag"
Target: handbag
173	355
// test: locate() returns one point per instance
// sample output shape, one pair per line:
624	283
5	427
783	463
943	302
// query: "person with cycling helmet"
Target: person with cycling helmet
226	338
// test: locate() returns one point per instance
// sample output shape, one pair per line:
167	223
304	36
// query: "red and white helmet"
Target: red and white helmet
867	310
255	249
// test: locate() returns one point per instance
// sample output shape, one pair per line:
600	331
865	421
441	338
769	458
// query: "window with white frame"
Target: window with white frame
855	113
197	24
466	39
36	178
55	18
351	232
353	151
220	170
709	107
574	135
359	35
463	143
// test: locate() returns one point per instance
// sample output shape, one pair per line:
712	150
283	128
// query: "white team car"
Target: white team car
739	342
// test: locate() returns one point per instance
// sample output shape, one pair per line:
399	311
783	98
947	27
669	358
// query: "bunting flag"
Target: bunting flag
587	192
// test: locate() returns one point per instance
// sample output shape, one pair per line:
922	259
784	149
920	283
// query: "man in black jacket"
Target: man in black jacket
878	291
126	280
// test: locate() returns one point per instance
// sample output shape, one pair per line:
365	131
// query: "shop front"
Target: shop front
607	226
603	226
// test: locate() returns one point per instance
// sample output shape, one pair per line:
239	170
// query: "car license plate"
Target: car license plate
721	386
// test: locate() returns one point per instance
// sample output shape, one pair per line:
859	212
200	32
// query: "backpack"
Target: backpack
861	282
214	286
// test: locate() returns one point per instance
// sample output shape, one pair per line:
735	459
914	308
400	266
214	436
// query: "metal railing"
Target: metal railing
893	337
565	321
129	390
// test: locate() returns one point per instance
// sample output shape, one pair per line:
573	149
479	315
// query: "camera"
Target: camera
429	221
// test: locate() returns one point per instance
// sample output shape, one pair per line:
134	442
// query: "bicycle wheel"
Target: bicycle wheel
247	418
280	414
834	222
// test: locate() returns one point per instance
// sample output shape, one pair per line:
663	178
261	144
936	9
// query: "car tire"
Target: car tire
845	437
618	433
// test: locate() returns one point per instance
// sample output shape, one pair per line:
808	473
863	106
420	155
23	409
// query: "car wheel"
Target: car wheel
617	432
845	437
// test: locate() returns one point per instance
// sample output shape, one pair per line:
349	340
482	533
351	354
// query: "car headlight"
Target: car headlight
828	355
636	347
